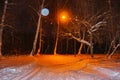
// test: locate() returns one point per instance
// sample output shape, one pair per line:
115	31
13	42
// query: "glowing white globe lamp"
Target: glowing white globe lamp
44	12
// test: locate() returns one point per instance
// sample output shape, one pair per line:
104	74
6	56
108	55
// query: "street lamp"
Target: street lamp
44	12
62	17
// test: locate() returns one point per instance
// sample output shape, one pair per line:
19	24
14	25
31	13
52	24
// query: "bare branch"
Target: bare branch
114	51
97	26
78	39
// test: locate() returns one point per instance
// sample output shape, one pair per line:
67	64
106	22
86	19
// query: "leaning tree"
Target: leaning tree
38	31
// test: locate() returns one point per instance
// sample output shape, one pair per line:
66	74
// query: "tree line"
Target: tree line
92	23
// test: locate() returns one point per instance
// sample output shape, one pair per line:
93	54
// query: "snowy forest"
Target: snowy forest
93	27
59	39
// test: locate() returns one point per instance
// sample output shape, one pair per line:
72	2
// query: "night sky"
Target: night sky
23	19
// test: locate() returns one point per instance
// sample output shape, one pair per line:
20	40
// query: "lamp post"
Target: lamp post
62	18
56	43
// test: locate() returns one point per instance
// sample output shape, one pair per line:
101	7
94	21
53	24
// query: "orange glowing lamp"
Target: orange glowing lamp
63	17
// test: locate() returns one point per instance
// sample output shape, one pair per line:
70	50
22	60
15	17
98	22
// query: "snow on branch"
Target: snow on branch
97	26
78	39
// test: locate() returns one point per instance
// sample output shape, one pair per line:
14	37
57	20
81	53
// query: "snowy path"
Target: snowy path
29	74
76	69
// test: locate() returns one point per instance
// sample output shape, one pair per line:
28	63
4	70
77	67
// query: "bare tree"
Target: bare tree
2	24
90	30
115	44
114	33
38	31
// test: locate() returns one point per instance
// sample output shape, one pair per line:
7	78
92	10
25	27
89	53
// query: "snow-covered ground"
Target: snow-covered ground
60	67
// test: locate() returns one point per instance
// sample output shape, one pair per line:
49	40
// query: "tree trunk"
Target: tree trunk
66	45
81	45
75	47
56	43
110	48
40	42
80	48
2	25
113	51
37	32
91	47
